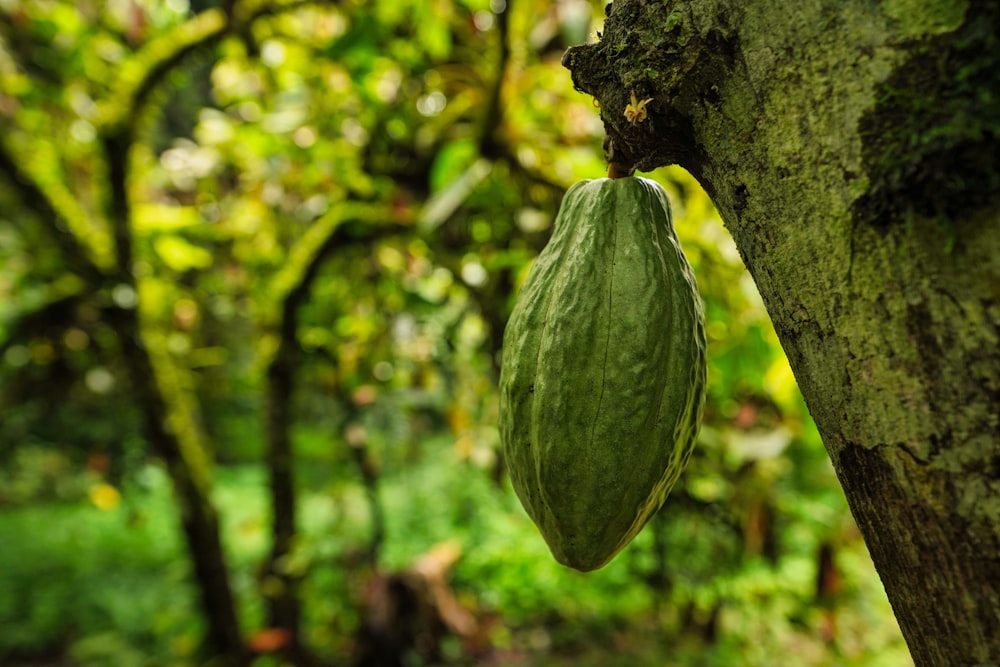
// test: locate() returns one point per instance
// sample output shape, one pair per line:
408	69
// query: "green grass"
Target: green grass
71	573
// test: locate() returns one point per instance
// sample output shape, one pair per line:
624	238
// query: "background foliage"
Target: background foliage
375	178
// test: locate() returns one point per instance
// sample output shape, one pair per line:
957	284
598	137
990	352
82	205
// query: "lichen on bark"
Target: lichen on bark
932	140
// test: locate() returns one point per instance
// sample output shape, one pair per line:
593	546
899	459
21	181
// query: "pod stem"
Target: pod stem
616	168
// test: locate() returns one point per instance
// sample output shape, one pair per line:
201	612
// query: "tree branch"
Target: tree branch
307	255
58	311
490	141
650	54
58	212
157	58
289	290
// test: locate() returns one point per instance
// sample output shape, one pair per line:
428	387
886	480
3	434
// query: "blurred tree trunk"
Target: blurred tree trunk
173	433
167	419
167	428
851	149
291	288
283	598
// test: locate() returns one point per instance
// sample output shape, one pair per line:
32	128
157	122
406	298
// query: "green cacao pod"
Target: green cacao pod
603	374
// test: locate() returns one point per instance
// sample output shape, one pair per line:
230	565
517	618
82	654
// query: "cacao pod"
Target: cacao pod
603	374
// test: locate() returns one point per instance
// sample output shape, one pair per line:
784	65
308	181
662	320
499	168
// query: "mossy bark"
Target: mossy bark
851	149
289	291
170	426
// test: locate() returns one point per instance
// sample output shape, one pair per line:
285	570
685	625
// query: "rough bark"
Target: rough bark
851	149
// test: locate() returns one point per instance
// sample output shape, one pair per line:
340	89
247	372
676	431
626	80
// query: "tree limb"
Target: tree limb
290	289
490	141
58	212
157	58
626	62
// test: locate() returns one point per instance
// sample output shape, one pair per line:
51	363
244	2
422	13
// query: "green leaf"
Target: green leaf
153	217
180	255
449	163
442	204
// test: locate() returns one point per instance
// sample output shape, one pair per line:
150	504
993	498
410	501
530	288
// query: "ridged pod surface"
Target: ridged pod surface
603	373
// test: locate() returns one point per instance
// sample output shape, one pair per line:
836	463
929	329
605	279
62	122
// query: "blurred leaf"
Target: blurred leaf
780	382
104	496
150	217
180	255
445	202
754	445
451	162
268	640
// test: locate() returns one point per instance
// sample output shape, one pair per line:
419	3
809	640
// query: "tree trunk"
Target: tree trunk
283	601
291	288
199	519
851	149
169	425
167	421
